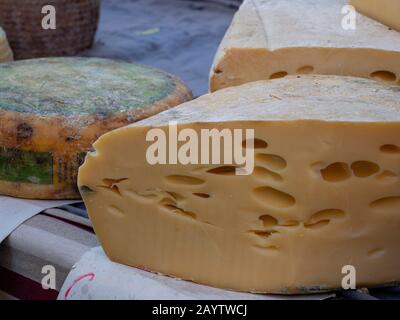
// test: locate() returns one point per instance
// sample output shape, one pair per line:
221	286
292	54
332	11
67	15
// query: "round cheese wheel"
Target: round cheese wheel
5	51
52	110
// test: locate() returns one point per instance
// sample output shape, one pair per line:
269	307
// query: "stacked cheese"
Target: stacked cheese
5	51
52	110
324	193
273	38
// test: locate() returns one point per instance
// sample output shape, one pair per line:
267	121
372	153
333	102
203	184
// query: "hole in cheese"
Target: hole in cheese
364	169
174	209
305	70
224	170
278	75
176	196
274	198
337	171
388	204
390	148
265	174
113	188
263	233
383	75
257	143
201	195
268	221
322	218
184	180
316	225
272	161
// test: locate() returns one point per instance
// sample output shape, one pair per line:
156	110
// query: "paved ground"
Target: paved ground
179	36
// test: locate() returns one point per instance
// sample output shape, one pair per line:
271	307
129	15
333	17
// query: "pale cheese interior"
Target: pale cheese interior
325	191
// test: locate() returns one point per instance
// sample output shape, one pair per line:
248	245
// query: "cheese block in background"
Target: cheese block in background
385	11
5	51
325	191
52	110
272	38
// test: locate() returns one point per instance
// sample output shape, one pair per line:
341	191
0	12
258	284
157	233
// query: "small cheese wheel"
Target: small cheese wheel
52	110
5	51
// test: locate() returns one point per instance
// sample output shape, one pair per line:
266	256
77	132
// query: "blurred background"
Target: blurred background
178	36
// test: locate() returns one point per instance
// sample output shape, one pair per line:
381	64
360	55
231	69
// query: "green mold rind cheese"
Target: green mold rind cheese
80	86
53	109
26	166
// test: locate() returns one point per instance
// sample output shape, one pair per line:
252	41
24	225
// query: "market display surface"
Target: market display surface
53	109
273	38
324	192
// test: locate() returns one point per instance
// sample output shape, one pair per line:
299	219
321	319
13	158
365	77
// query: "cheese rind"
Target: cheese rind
52	110
384	11
5	50
324	192
273	38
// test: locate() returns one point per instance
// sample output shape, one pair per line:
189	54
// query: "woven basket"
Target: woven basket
76	25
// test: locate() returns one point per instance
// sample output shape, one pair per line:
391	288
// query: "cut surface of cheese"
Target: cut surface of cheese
324	193
385	11
5	50
272	38
52	110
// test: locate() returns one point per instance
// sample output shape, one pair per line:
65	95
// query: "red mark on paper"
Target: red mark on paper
90	276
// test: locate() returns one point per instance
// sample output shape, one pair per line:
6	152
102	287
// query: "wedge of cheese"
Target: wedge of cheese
52	110
324	192
385	11
5	50
273	38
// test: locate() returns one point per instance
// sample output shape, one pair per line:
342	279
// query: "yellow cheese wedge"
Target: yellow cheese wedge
5	50
324	193
385	11
272	38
